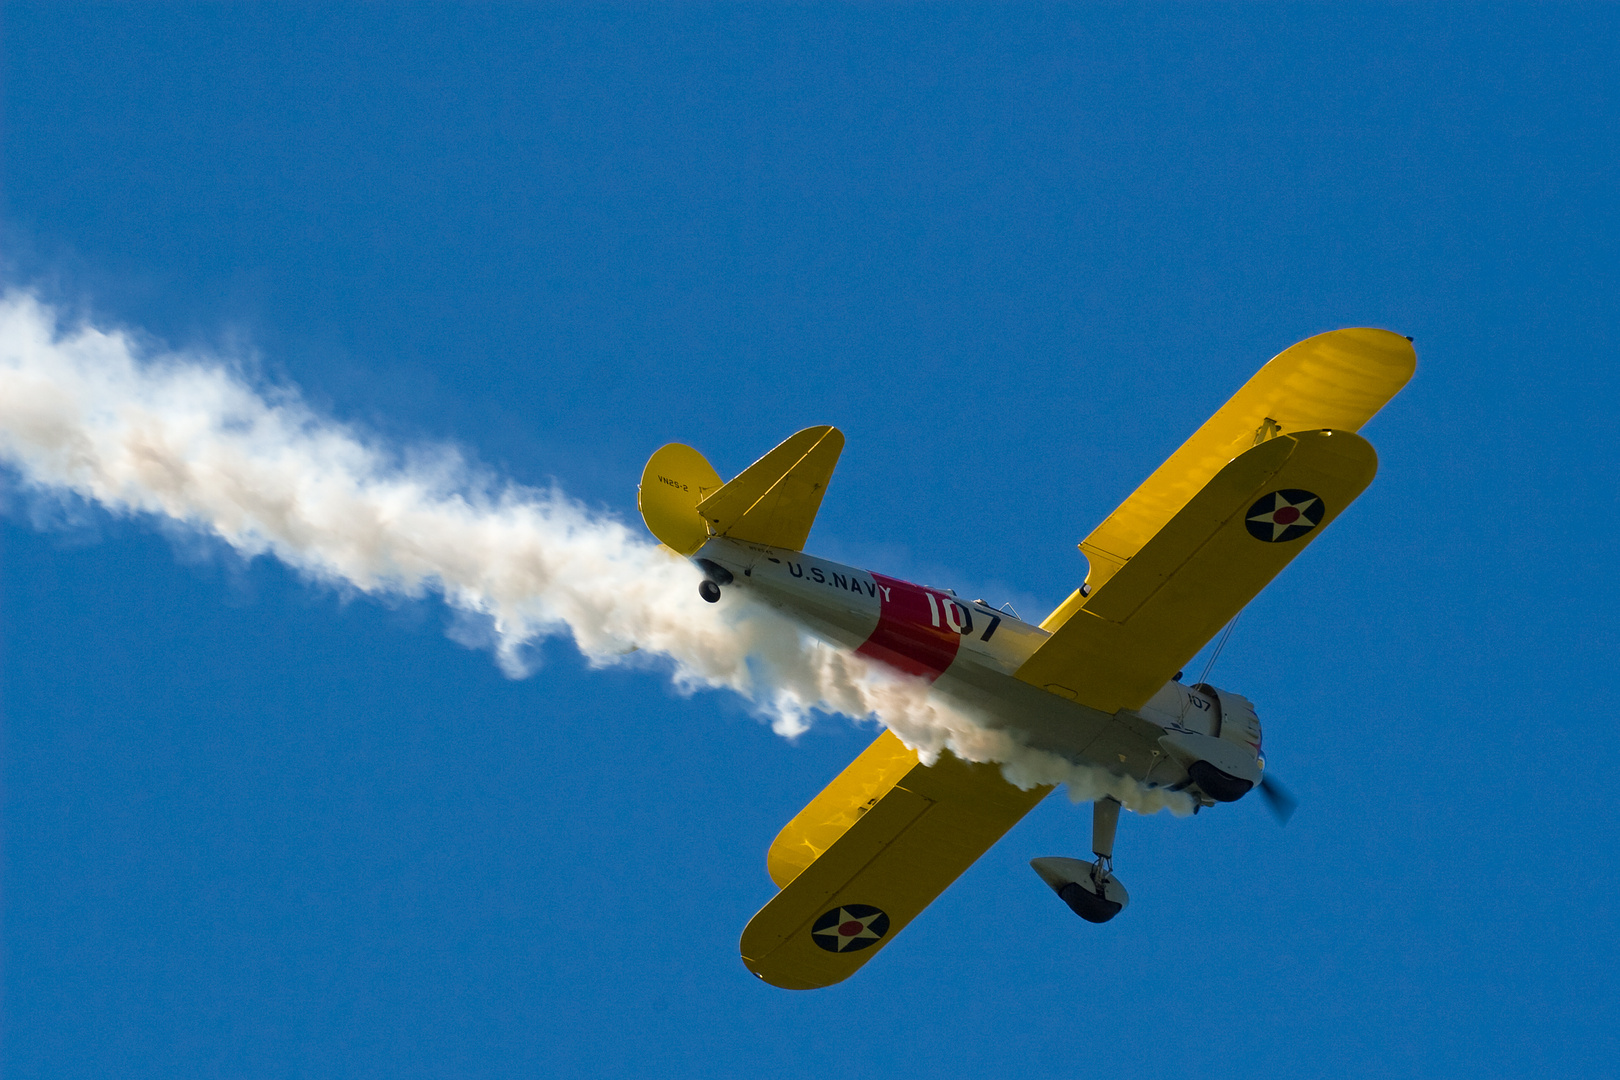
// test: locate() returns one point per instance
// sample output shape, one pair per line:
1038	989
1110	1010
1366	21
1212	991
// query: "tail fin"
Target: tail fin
675	480
773	502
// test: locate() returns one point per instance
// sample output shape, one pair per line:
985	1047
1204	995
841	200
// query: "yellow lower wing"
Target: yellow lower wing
894	840
1126	640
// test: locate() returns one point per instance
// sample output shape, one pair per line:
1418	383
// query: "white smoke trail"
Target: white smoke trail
182	436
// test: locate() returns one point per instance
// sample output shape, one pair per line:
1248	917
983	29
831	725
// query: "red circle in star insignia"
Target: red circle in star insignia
1285	515
850	928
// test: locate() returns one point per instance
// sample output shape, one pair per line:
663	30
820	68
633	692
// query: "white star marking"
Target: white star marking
865	933
1280	527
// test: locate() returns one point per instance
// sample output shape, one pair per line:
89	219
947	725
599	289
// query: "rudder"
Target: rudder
675	480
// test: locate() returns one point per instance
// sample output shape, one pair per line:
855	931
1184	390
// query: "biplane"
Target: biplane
1097	682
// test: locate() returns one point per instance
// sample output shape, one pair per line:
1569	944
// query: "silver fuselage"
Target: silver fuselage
970	652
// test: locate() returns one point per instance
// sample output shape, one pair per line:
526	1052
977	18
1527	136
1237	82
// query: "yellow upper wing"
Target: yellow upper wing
869	854
1334	380
872	775
1126	640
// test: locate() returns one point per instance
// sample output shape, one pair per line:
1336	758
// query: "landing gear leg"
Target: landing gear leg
1104	823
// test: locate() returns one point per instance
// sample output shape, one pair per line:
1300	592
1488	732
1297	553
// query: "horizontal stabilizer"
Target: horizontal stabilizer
774	501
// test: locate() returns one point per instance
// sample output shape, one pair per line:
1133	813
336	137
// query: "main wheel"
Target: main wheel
709	591
1087	904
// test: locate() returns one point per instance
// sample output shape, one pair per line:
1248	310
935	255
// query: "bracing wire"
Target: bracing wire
1219	645
1203	680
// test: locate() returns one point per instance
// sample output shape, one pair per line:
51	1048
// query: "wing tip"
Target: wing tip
1391	350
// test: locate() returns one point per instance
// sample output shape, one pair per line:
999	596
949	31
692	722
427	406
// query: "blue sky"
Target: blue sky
256	826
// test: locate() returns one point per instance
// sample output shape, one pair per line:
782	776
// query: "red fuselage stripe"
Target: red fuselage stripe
913	632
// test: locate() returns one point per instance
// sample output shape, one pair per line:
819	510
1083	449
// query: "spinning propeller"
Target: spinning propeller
1278	800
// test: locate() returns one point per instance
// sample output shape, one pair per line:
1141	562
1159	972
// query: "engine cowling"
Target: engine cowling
1213	734
1223	770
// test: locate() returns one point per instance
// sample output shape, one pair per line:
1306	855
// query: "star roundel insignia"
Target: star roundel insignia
1285	515
848	928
